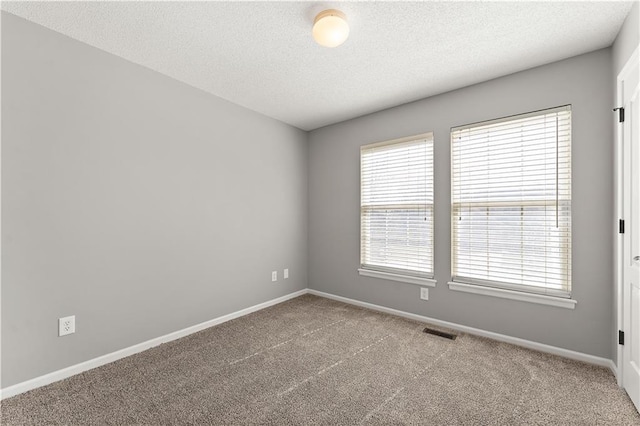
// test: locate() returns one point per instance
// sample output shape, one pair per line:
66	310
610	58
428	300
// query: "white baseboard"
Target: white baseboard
579	356
131	350
114	356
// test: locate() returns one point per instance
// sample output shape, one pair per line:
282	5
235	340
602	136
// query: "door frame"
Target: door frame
619	194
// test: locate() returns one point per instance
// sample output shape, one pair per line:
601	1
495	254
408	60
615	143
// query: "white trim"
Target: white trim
619	193
520	116
424	282
131	350
114	356
1	233
421	136
566	353
514	295
618	237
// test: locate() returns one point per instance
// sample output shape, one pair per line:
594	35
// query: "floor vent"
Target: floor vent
440	333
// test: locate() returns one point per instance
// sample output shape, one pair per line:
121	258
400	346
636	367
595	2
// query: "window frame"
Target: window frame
390	273
525	292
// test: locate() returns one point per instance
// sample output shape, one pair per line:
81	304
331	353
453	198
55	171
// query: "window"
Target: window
511	203
396	209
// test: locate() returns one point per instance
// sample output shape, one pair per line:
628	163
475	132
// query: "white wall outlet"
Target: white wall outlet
286	274
424	293
66	325
274	275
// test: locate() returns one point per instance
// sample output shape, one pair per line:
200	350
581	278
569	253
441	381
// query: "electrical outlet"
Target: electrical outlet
274	275
424	293
286	274
66	325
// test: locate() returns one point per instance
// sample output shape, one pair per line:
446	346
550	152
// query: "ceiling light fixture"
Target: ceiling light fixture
330	28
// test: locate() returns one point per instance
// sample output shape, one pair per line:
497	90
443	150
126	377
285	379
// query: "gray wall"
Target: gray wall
628	39
584	82
137	203
625	44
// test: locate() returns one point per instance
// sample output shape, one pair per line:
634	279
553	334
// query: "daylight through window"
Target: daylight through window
511	202
396	209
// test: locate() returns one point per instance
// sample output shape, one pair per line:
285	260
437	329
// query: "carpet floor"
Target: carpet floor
315	361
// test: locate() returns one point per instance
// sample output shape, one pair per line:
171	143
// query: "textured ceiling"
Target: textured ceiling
261	54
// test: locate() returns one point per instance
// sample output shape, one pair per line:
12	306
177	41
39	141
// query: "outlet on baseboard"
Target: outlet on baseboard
424	293
274	275
66	325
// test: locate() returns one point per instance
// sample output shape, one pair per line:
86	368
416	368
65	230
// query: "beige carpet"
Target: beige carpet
316	361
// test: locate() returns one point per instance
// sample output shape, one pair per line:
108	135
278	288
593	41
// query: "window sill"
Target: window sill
514	295
423	282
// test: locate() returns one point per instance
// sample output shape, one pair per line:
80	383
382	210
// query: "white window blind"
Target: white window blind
511	202
396	209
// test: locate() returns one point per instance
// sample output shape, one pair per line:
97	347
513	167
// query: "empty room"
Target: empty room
320	213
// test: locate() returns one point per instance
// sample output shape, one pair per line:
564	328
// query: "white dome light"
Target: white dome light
330	28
